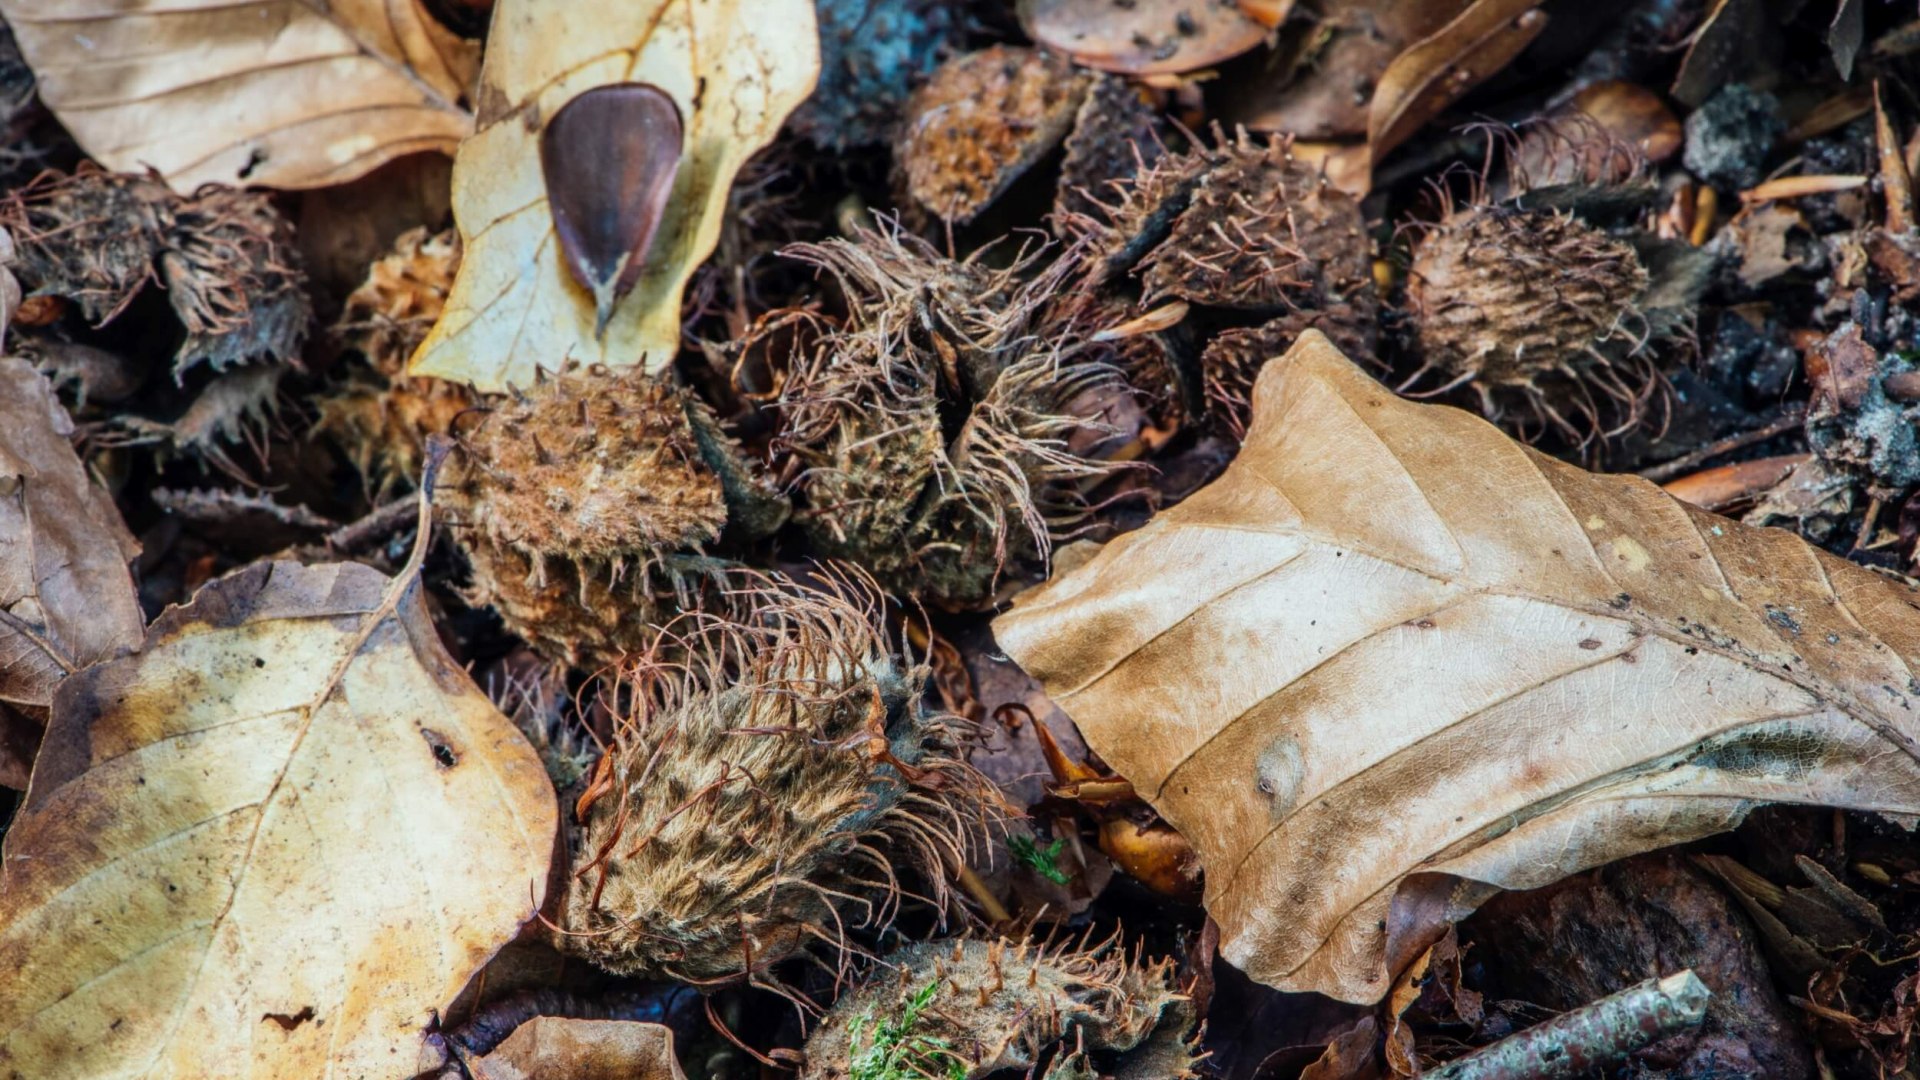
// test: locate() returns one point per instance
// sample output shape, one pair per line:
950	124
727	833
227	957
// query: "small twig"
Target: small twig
222	507
1896	183
1590	1037
1667	470
375	526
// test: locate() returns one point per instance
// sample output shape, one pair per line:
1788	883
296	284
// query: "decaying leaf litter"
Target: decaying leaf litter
1058	538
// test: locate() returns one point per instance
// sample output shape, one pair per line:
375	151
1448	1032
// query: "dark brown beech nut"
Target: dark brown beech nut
609	157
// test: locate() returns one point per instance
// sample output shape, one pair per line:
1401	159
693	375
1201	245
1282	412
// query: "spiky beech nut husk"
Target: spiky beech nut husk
935	511
225	257
1233	358
969	1008
1137	216
1244	235
578	501
1544	307
380	416
981	121
1116	133
1263	231
772	788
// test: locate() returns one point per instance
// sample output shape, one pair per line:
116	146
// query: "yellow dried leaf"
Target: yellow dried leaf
272	843
735	68
271	92
1392	661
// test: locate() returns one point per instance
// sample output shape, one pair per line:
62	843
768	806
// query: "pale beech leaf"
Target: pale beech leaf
279	93
1392	661
274	842
735	68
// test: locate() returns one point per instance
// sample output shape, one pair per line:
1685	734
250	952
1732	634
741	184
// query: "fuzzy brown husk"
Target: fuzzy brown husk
936	511
381	416
1543	307
996	1005
1233	359
1254	241
766	793
575	500
1116	134
982	120
225	257
1263	231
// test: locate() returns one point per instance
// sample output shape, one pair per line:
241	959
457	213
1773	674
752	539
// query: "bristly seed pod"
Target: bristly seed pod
609	157
765	792
934	423
1254	241
1544	307
379	415
583	503
969	1009
981	121
226	259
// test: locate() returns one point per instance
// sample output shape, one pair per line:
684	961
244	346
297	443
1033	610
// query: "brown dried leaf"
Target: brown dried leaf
735	68
1324	91
273	842
1435	664
290	95
1150	37
1433	73
66	595
556	1046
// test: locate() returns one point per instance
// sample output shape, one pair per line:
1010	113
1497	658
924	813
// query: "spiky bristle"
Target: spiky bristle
935	508
767	790
1536	306
578	501
1017	1006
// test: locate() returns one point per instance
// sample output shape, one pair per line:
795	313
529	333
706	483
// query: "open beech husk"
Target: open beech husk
1555	318
946	518
775	785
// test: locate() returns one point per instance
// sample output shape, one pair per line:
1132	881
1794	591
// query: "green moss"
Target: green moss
896	1053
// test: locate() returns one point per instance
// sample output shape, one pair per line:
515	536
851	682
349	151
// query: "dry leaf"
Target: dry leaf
1324	89
1435	71
735	68
66	598
290	95
557	1046
272	843
1150	37
1392	661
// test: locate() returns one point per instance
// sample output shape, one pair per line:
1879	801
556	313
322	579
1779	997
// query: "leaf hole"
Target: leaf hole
443	751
